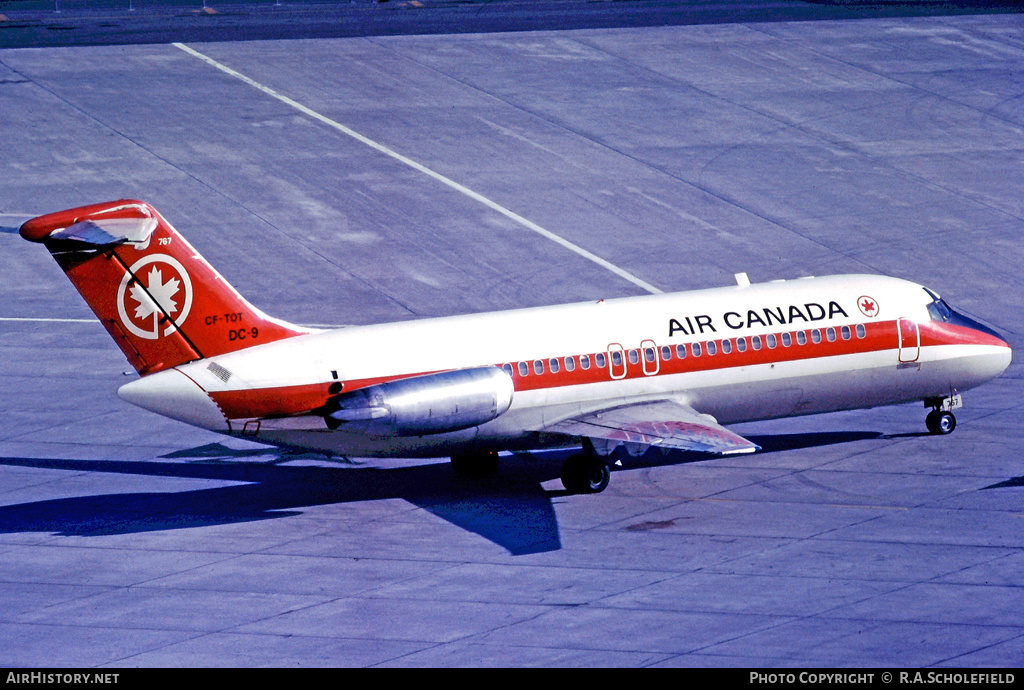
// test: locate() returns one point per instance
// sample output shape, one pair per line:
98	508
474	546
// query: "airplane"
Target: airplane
661	371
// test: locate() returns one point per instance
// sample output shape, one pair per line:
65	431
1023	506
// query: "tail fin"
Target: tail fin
161	302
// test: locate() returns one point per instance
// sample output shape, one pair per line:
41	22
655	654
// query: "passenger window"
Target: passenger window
617	358
830	334
538	366
726	347
553	363
861	333
771	340
570	364
666	353
816	336
681	351
801	338
585	361
755	342
741	344
712	349
846	333
696	349
787	340
634	357
649	354
507	368
600	360
524	368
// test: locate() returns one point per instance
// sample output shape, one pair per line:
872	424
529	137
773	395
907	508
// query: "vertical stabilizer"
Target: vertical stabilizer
161	302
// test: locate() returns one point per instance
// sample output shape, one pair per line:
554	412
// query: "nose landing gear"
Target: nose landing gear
940	422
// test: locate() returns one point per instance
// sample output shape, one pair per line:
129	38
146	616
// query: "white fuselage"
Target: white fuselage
765	350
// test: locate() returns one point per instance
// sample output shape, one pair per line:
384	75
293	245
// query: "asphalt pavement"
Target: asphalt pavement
682	153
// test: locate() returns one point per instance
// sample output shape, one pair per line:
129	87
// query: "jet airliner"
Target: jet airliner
666	371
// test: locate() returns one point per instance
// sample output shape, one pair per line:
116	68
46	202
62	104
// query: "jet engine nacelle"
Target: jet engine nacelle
430	404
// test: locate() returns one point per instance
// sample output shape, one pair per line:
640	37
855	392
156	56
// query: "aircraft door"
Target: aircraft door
910	340
616	361
649	357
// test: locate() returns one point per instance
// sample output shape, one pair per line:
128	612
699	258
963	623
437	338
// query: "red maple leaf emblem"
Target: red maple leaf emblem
868	306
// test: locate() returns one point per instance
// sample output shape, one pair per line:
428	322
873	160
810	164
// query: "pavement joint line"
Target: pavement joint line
462	189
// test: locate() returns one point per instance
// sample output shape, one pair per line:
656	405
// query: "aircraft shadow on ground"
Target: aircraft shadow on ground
1010	483
512	509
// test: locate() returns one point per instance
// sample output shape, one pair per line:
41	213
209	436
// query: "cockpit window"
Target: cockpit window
938	309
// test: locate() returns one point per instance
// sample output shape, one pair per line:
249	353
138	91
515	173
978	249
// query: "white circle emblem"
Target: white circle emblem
163	289
868	306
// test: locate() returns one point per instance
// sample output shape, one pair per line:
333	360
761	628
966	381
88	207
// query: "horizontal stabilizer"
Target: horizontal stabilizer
109	231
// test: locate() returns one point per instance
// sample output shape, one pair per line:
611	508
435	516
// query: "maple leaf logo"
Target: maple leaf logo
156	289
160	287
868	306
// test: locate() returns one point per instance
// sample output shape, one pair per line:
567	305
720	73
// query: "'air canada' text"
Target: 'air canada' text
754	318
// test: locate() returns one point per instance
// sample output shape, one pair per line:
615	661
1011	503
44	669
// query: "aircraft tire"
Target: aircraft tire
940	422
585	474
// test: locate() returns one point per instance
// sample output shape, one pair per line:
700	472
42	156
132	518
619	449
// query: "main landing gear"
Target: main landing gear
586	472
583	473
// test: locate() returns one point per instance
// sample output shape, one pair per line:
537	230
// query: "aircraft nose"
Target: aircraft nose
1005	358
1003	355
983	333
173	394
991	332
999	353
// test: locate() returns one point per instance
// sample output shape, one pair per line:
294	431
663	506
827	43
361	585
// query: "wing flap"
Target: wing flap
662	423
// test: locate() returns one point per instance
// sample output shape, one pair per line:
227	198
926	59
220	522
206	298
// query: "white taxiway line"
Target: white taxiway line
530	225
17	318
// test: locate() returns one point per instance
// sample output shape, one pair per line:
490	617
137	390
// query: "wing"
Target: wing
661	423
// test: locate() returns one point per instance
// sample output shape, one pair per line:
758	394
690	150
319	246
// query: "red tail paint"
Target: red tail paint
161	302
